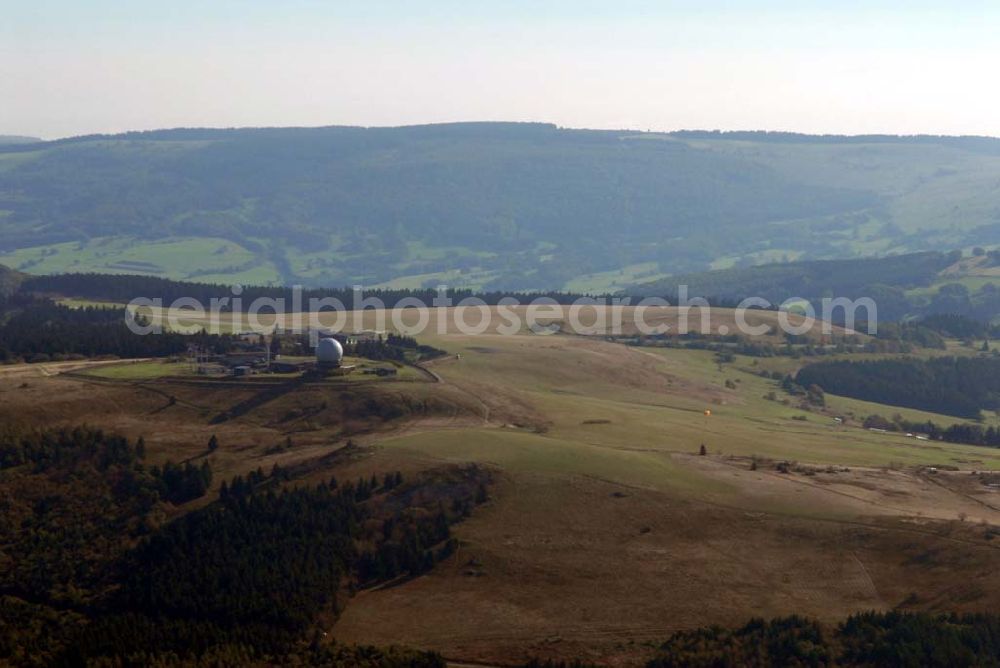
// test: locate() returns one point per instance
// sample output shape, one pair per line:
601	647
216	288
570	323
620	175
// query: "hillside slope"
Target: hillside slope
902	285
778	281
480	204
18	139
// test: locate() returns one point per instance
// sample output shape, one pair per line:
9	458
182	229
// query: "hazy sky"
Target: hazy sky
81	66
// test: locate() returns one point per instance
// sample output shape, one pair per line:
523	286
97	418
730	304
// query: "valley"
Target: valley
488	206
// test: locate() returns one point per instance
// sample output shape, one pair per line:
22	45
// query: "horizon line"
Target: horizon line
34	139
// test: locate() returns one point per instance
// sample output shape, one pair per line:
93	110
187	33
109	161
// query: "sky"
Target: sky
848	67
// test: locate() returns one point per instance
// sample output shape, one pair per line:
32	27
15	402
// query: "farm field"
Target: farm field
605	530
610	282
972	272
203	259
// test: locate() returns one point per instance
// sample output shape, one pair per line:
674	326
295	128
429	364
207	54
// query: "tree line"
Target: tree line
124	288
37	329
865	639
959	386
963	432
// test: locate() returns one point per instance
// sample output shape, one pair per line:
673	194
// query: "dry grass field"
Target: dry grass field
606	530
584	319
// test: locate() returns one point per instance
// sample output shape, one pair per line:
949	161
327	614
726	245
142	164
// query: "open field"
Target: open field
203	259
606	530
610	282
541	319
973	272
140	370
47	369
610	531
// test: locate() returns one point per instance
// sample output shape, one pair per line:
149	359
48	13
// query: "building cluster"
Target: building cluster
254	353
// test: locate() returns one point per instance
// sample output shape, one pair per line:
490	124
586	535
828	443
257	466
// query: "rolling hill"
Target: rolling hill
605	529
913	284
483	205
18	139
611	474
778	281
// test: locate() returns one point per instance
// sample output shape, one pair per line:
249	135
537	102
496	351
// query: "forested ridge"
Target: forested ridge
95	574
123	288
487	186
36	329
959	386
810	280
897	639
952	307
891	282
530	205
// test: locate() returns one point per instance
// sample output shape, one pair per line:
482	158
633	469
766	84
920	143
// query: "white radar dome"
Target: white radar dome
329	351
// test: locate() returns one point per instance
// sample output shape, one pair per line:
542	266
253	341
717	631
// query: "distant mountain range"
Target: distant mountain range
18	139
484	205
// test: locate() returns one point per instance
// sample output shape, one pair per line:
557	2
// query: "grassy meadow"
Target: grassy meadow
203	259
654	400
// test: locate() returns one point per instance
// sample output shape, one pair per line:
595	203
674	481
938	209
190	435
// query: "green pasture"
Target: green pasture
597	412
141	370
199	259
